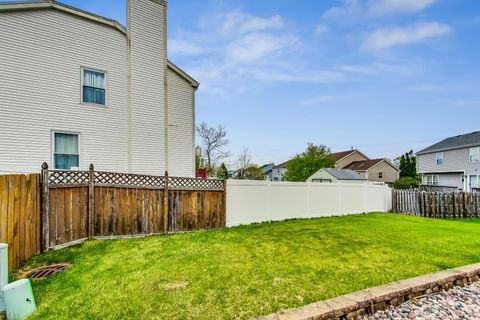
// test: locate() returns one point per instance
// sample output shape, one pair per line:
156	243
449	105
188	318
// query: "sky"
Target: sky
383	76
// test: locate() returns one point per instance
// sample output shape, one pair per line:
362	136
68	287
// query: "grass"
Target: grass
247	271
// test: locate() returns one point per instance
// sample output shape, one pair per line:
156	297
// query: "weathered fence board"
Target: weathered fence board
20	217
442	205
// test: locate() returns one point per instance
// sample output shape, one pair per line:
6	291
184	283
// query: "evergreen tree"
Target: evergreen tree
222	172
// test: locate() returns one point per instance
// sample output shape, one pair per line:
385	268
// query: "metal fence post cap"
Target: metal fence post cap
45	166
91	167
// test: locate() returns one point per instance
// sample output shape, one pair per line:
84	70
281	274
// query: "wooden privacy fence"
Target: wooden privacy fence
87	204
20	216
436	204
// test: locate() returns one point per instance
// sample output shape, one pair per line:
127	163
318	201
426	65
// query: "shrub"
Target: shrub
406	183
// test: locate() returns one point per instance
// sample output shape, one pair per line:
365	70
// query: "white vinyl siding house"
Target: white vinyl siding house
68	71
459	166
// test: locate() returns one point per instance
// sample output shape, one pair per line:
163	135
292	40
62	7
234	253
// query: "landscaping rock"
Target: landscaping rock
460	302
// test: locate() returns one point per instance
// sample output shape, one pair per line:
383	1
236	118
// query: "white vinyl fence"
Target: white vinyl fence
257	201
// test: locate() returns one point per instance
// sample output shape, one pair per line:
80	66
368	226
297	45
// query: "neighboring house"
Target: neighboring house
452	162
278	171
336	175
77	88
344	158
381	170
267	169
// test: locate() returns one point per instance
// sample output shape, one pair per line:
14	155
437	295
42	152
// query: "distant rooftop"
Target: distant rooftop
461	141
344	174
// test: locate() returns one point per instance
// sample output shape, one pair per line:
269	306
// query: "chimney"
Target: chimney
147	72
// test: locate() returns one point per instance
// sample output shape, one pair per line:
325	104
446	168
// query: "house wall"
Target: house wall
453	161
41	54
389	174
181	126
448	179
147	28
320	174
277	174
355	156
258	201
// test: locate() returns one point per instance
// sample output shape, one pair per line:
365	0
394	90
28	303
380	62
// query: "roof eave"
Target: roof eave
21	6
183	74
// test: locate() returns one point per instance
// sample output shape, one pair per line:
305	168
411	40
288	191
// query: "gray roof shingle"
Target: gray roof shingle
344	174
457	142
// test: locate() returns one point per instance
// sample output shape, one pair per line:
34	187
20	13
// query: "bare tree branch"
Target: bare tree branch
214	142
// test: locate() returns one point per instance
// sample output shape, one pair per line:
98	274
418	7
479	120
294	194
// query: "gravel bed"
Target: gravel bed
456	303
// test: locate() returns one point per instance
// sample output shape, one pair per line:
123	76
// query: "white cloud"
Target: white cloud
256	46
390	37
182	47
239	22
380	7
358	9
320	29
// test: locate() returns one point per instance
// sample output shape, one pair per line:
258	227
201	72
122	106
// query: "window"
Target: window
380	175
93	86
432	179
474	181
322	180
474	154
275	179
65	150
439	158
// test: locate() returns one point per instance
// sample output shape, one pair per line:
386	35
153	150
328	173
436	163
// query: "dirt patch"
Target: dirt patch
174	286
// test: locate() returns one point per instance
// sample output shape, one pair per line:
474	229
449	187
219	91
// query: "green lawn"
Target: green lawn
248	271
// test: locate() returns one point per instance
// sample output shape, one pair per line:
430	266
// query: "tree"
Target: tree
243	162
406	183
222	172
408	165
253	172
303	165
214	143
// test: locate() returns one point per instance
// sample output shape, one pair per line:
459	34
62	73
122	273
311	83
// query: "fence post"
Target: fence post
224	222
165	204
465	205
91	201
45	208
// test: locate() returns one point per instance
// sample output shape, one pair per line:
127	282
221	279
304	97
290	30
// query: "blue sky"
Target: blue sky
384	76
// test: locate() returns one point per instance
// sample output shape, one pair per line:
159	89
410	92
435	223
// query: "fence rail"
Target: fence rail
436	204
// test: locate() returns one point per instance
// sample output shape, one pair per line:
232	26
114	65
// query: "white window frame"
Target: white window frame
439	156
430	179
82	69
477	155
52	147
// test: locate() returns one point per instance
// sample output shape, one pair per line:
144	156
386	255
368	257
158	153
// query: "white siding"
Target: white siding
148	63
453	161
181	126
41	54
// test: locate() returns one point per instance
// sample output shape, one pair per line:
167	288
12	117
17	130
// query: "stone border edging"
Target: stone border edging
368	301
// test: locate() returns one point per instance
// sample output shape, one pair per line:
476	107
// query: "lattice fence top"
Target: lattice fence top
67	177
102	178
128	180
195	184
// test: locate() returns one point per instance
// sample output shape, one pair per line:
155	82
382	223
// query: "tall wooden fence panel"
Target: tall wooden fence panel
20	225
437	204
87	204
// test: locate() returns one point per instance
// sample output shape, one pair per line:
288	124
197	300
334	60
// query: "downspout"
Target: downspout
129	88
